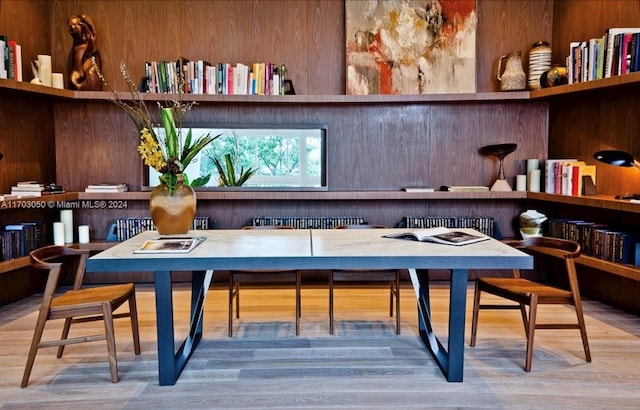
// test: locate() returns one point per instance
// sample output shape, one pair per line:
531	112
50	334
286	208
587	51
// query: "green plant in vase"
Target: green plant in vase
169	152
227	173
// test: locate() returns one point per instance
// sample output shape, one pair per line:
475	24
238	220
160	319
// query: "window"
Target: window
292	157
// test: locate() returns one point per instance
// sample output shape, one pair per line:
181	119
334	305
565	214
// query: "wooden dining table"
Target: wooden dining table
308	249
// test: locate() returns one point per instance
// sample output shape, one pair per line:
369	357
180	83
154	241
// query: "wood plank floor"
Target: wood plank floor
364	365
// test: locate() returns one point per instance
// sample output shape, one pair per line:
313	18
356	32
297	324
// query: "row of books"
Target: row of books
598	240
307	222
35	189
10	59
131	226
17	240
569	177
484	224
617	52
202	77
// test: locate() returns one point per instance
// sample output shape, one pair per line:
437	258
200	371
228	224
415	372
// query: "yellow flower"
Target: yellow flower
150	150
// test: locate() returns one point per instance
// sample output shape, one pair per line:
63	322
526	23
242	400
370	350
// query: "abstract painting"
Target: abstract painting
410	46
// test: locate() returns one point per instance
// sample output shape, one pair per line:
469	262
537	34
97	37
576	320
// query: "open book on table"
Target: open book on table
440	235
170	244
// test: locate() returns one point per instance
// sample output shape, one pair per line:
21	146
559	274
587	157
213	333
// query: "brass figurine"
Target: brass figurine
84	53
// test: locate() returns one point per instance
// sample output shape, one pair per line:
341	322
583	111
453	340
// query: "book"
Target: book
611	35
170	245
464	188
417	189
551	175
440	235
106	187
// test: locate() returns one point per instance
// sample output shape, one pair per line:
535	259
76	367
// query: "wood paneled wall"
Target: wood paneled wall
371	146
307	35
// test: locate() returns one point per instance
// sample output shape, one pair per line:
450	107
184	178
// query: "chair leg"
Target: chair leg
525	320
533	308
33	350
135	329
111	340
583	329
65	334
391	292
331	303
298	300
397	292
237	295
476	309
231	292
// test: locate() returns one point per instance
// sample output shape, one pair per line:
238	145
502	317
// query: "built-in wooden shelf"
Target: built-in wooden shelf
595	201
627	271
13	264
260	99
542	94
587	86
260	194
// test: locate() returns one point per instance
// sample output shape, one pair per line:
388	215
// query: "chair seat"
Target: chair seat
89	298
525	288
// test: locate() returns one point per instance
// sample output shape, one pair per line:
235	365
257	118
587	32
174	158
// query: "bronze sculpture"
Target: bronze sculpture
84	56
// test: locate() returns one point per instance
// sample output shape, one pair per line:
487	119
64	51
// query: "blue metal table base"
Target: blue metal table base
171	362
451	360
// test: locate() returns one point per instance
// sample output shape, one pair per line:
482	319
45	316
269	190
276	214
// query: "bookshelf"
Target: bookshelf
68	128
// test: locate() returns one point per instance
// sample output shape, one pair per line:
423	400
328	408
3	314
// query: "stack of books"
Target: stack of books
308	222
598	240
10	59
569	177
128	227
484	224
106	187
202	77
35	189
17	240
617	52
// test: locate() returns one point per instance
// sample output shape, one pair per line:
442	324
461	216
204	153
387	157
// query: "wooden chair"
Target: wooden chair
237	277
392	276
78	305
529	293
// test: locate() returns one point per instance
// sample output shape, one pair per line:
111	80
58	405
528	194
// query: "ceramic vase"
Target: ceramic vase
173	214
512	78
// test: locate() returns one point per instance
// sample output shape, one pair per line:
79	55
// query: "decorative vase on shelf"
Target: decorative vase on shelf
512	78
173	214
531	223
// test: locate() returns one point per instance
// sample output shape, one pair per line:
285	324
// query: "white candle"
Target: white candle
534	180
58	233
66	217
83	233
57	80
533	164
44	69
521	182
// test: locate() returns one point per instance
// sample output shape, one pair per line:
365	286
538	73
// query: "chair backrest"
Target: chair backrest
363	226
52	258
555	247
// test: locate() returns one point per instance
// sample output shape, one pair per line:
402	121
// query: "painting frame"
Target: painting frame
410	46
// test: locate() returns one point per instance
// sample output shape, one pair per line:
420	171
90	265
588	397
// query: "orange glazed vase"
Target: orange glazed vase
173	214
